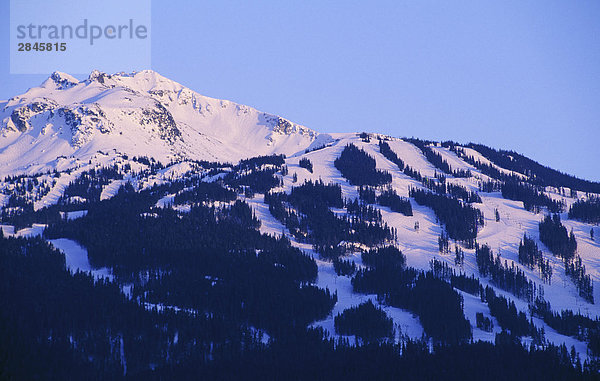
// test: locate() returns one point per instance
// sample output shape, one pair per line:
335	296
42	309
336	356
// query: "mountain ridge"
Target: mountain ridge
140	113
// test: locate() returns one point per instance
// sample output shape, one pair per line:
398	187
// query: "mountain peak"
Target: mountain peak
138	114
142	81
60	81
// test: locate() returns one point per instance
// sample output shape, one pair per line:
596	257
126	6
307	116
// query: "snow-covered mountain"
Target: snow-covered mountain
137	114
53	134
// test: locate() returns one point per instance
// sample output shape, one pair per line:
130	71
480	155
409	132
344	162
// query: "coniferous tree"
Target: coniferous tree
483	322
459	256
365	321
359	167
554	235
306	163
586	211
398	204
461	220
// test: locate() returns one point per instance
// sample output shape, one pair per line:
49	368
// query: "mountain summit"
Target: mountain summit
140	113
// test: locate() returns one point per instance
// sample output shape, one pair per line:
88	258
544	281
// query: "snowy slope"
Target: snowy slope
137	114
421	246
73	126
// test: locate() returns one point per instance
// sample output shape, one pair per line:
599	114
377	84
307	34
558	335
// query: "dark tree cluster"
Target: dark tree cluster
260	161
461	220
461	281
359	167
254	180
555	236
58	325
437	184
444	243
257	174
537	174
209	260
582	281
509	278
90	184
365	137
437	160
440	186
32	187
570	324
533	198
586	210
365	321
387	152
306	163
564	245
431	298
344	267
367	195
364	212
385	257
459	256
390	198
312	358
312	195
509	317
211	164
490	186
229	283
203	191
15	209
531	256
485	168
423	293
25	217
415	174
305	212
19	210
23	179
483	322
385	272
465	173
463	194
148	161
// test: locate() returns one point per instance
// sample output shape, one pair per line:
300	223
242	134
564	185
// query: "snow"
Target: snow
76	258
114	123
327	278
7	230
165	201
132	114
33	231
412	156
420	246
484	160
404	321
111	189
454	161
74	215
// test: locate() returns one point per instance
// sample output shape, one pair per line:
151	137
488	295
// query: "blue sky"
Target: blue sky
521	75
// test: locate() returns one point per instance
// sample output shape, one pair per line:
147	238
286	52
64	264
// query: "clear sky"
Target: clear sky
521	75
